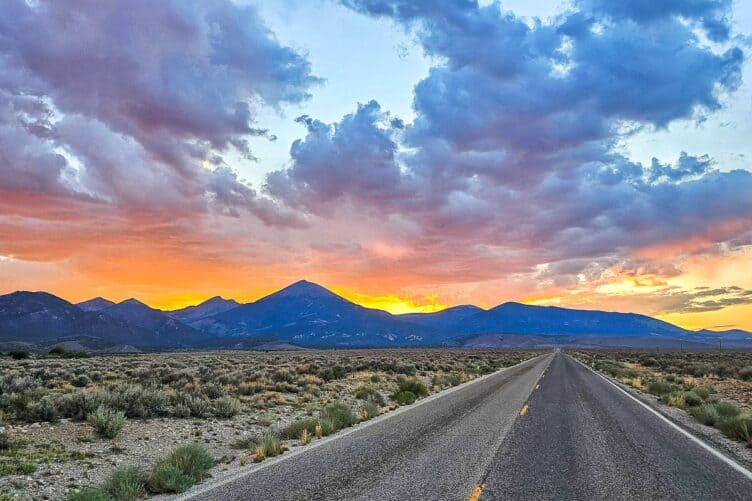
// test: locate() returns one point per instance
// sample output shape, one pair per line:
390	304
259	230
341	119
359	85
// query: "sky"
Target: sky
409	155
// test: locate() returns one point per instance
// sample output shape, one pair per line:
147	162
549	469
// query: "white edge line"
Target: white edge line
715	452
207	486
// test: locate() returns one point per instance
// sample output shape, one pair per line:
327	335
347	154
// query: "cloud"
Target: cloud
515	142
136	104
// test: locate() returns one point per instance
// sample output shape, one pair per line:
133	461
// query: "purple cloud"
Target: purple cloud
135	97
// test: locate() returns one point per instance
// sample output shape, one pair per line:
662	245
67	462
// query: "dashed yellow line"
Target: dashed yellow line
475	494
537	386
523	411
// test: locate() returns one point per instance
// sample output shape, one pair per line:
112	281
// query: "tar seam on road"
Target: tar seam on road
715	452
302	449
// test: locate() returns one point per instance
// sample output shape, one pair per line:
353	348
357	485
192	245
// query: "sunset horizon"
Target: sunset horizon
581	154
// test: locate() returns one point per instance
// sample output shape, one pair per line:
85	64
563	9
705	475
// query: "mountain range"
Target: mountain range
305	314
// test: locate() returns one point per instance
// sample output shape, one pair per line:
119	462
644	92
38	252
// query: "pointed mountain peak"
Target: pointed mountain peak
304	288
95	304
133	302
217	300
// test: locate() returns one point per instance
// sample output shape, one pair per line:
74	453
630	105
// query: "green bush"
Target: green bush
138	401
692	399
703	392
706	414
89	495
18	354
446	380
227	407
326	426
413	385
340	415
127	484
192	459
369	410
404	397
726	409
745	373
661	388
737	428
166	478
370	394
79	404
106	422
294	429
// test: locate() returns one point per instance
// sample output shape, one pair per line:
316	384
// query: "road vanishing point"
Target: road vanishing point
548	428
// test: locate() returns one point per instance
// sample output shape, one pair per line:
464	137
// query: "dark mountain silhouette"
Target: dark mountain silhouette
41	317
307	314
169	330
208	308
517	318
95	304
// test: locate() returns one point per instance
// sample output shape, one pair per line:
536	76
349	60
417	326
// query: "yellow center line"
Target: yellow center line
537	386
475	495
523	411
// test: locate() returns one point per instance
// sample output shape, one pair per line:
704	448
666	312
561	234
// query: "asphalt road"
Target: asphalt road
546	429
584	439
437	450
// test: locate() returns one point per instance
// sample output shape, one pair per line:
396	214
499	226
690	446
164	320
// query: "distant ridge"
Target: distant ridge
212	306
305	314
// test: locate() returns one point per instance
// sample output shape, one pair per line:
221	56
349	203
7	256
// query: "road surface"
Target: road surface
548	428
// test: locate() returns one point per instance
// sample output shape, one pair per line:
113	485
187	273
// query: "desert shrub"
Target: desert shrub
192	459
127	483
340	415
17	468
370	394
213	390
404	397
737	428
369	410
269	445
106	422
703	392
167	478
227	407
375	378
18	354
413	385
661	388
446	380
45	410
726	409
79	404
706	414
181	411
675	399
325	427
89	495
80	381
197	406
692	399
138	401
5	442
745	373
294	429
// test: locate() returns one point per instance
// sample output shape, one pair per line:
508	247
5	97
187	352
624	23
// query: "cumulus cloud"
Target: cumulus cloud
135	104
514	145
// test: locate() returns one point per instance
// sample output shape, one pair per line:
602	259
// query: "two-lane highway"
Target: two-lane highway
567	435
439	449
